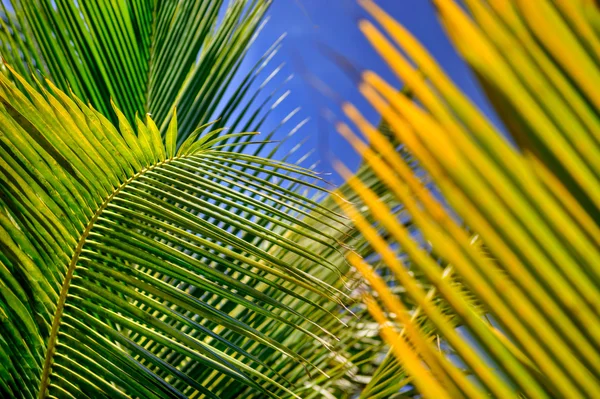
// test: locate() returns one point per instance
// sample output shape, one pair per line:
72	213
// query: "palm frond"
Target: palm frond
155	272
146	56
531	206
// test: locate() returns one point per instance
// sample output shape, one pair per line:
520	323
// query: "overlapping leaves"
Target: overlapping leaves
155	271
146	56
525	242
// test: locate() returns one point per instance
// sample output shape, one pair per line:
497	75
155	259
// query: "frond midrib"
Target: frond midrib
56	321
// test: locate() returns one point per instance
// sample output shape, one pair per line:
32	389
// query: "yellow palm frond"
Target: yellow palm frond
519	218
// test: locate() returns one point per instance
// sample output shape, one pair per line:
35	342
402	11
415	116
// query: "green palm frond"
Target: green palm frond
155	271
269	255
146	56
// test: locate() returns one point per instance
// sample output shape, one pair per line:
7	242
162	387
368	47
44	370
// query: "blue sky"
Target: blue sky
310	24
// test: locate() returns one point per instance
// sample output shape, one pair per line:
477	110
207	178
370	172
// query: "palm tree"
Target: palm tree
161	256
